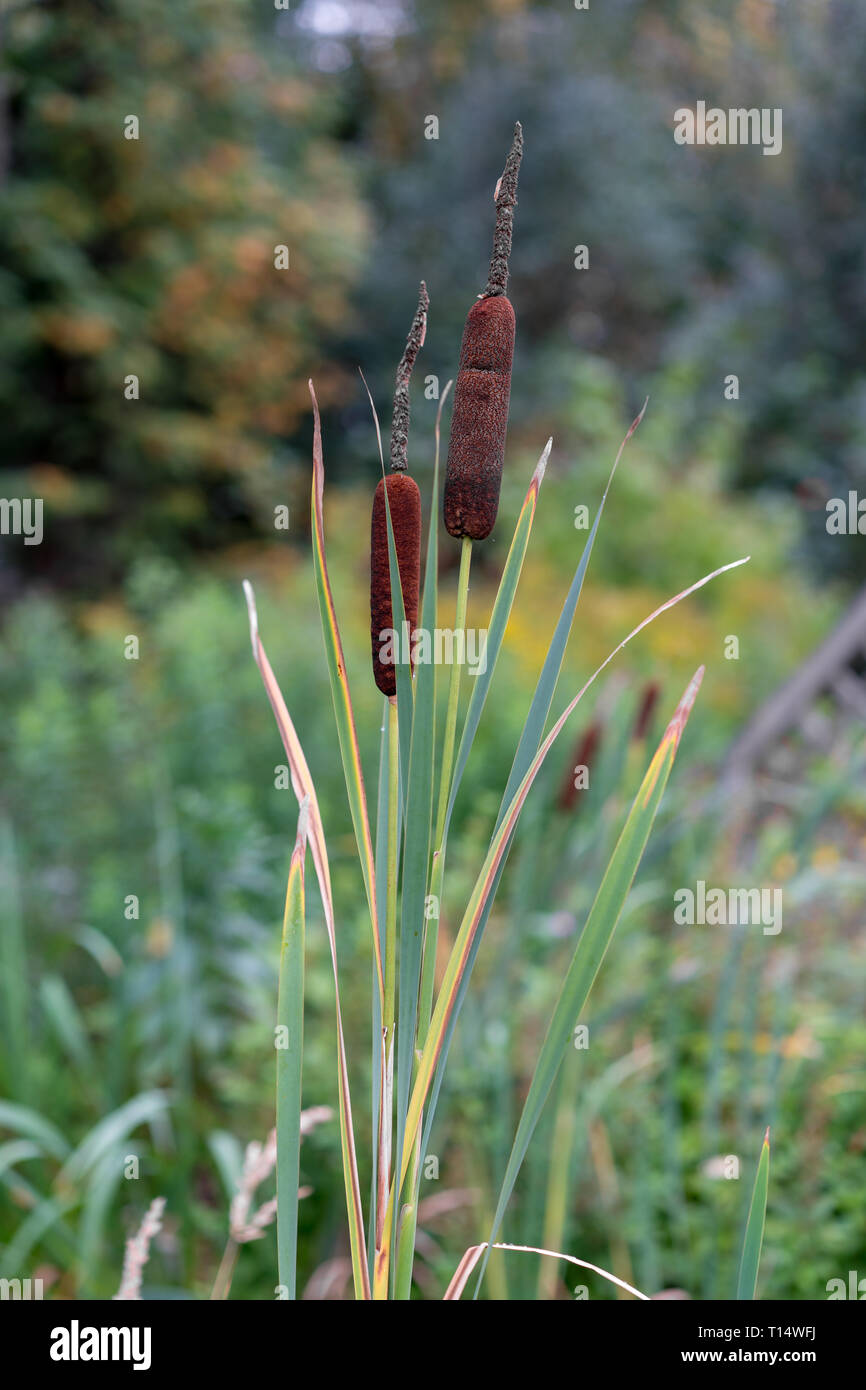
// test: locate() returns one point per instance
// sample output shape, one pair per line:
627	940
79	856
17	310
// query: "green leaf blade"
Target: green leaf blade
290	1017
753	1237
594	941
418	830
344	716
499	616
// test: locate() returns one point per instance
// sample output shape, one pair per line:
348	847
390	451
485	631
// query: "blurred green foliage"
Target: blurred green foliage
161	777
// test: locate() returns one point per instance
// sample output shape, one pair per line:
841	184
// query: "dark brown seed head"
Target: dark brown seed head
582	755
646	710
404	501
476	450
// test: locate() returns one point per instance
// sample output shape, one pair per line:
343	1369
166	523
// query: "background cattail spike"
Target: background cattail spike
506	202
400	424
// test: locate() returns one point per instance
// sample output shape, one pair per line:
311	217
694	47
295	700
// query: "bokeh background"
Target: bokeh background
150	1035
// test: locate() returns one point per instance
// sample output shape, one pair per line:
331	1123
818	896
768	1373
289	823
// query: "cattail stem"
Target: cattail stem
409	1218
506	202
453	691
389	1019
382	1248
437	874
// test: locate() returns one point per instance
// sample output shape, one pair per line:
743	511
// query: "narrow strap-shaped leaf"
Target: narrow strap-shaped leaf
24	1121
487	898
343	713
141	1109
418	827
488	878
753	1237
530	738
290	1051
539	709
424	952
499	619
303	787
474	1253
594	941
499	616
378	1047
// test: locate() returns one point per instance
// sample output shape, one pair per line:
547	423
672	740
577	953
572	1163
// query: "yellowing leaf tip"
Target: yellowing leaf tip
680	715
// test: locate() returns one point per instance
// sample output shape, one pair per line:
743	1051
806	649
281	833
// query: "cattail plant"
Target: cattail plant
414	1006
473	476
396	524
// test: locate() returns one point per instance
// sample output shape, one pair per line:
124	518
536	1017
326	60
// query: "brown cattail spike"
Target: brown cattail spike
476	449
646	710
582	757
479	424
400	422
404	501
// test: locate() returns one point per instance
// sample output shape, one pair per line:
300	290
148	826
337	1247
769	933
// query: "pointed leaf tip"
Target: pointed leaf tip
637	419
684	708
541	466
253	616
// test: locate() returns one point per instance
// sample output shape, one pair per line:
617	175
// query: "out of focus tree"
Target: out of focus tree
703	261
261	127
154	257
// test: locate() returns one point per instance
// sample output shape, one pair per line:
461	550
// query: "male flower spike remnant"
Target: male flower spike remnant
476	449
404	502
